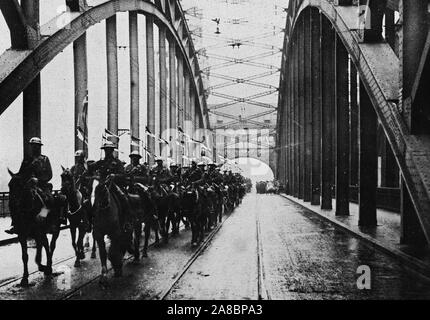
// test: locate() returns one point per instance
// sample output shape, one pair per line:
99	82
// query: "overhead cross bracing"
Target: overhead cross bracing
233	61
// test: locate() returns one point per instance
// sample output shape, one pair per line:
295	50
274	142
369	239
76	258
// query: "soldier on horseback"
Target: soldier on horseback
175	171
193	174
135	171
112	168
38	167
159	174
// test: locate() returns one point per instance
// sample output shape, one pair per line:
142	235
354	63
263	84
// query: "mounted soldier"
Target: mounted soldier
112	168
37	167
159	174
135	171
193	174
80	174
213	174
175	171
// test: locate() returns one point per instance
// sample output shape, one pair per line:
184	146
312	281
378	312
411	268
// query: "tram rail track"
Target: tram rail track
163	295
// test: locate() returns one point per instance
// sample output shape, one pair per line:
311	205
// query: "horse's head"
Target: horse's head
16	188
67	182
100	194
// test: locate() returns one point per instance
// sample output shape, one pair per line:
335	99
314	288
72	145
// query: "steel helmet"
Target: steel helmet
200	164
108	145
157	159
173	164
36	140
135	153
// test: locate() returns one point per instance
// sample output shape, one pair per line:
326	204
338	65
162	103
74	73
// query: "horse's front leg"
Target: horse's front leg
53	245
24	253
94	249
45	244
137	235
38	257
73	236
103	260
147	230
80	243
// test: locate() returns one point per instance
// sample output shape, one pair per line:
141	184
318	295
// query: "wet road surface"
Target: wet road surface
269	248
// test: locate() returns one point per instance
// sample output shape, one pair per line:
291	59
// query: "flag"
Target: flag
149	133
82	125
81	136
109	134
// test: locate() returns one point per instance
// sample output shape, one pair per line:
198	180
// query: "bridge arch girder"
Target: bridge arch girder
20	67
373	65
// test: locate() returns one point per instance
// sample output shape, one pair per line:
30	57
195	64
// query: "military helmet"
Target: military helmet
36	140
158	159
173	164
212	164
108	145
135	153
79	153
201	164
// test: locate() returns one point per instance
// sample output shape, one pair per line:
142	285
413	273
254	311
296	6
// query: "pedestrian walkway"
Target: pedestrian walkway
386	236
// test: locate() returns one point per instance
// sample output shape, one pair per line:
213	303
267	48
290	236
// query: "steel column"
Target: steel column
32	99
80	68
316	106
150	69
134	82
328	101
301	106
173	99
353	124
307	124
112	77
368	163
342	130
413	17
163	88
180	103
296	168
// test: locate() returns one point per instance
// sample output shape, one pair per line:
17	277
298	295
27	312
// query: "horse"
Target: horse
149	218
34	219
174	214
160	196
107	222
190	208
77	211
219	201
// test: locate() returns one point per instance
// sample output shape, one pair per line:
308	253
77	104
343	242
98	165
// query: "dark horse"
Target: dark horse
148	216
190	206
160	196
76	213
34	219
107	222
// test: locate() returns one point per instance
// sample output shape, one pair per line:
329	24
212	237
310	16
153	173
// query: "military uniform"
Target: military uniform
80	173
37	167
108	166
138	173
162	175
215	177
193	175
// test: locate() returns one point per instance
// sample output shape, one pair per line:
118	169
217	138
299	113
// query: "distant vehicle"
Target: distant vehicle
270	187
261	187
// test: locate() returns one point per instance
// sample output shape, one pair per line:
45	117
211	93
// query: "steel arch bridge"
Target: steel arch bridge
33	47
346	83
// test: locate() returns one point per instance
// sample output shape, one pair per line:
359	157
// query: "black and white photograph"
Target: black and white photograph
215	154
